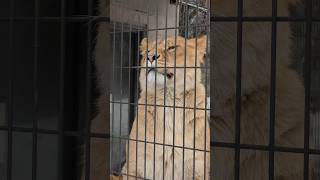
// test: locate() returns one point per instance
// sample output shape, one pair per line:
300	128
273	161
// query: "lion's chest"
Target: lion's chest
169	123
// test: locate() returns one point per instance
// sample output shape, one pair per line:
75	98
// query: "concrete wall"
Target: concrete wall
155	14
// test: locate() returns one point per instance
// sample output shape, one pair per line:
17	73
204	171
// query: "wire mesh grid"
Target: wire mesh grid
124	95
272	148
132	101
21	140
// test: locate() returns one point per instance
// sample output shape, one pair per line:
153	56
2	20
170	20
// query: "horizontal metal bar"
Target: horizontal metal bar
259	18
107	19
194	6
158	105
212	143
54	132
166	67
162	144
67	19
202	25
264	148
133	176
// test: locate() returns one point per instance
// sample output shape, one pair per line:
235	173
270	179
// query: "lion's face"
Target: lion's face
169	61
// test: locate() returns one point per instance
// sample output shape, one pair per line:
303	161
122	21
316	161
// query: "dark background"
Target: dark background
19	53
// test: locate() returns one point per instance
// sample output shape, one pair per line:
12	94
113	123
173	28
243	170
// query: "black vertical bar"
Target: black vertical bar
195	91
164	123
121	93
211	62
206	111
186	23
308	56
35	93
113	94
273	89
206	93
155	93
137	112
88	93
165	77
174	89
129	105
11	83
146	97
60	163
238	90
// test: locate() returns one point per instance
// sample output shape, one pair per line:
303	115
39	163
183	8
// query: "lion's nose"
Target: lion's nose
153	58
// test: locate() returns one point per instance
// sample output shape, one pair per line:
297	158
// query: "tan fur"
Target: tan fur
153	118
116	178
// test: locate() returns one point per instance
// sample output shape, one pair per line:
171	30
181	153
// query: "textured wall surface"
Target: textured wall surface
155	14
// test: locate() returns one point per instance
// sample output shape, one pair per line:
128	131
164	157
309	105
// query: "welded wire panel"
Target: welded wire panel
160	99
155	75
254	53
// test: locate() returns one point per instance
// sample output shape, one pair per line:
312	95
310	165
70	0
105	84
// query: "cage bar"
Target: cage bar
87	138
131	33
308	56
238	91
35	93
273	88
61	90
10	109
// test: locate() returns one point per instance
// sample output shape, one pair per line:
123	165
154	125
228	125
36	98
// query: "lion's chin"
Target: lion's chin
168	75
155	77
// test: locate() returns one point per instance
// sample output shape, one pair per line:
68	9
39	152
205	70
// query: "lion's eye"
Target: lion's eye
171	48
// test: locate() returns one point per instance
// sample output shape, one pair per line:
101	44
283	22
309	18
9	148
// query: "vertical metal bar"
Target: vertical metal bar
165	92
206	93
308	56
186	23
146	97
88	93
130	69
155	92
113	95
121	92
211	81
137	112
174	90
11	94
35	93
206	111
164	118
61	90
195	91
273	88
238	90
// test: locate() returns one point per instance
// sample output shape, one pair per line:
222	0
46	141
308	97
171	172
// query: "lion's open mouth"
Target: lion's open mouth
169	75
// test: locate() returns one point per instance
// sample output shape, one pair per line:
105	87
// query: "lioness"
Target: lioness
167	90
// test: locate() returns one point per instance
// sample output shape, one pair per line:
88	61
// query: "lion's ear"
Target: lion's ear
143	45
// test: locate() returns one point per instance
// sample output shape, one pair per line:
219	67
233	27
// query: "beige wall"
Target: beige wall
144	12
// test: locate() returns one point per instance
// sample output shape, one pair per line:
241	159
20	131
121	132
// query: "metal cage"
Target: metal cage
70	89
